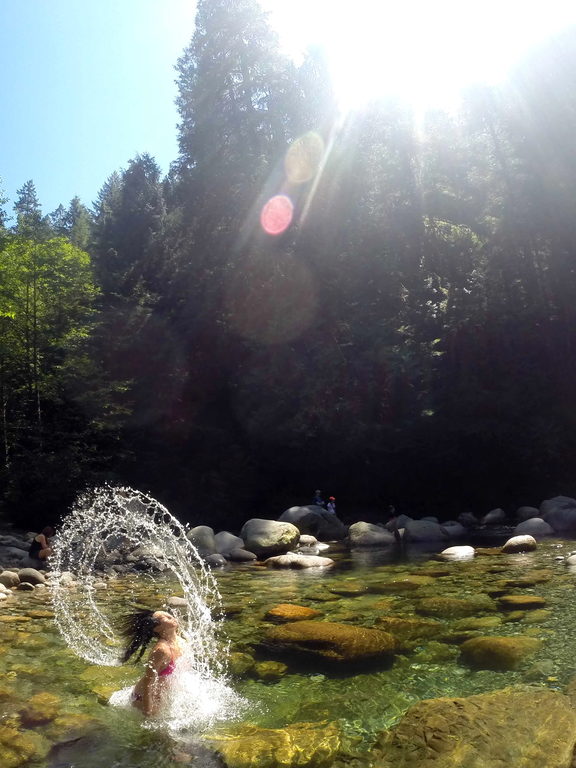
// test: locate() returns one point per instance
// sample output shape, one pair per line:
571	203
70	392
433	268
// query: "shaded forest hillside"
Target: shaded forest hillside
400	328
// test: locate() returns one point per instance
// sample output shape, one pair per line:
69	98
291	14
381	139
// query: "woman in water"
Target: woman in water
139	629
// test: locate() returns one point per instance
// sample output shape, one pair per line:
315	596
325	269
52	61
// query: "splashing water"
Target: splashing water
111	522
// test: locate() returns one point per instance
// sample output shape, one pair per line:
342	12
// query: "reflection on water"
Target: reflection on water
50	697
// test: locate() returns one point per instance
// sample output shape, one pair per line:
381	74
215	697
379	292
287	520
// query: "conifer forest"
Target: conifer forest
400	329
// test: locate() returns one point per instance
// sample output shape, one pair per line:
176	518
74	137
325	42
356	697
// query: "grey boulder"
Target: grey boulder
202	537
225	542
363	534
560	513
269	537
534	526
494	517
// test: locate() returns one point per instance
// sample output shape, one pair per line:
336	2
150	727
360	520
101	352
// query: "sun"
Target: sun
424	52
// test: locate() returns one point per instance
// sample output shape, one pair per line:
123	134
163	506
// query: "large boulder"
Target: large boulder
225	542
494	517
330	641
269	537
525	513
202	537
513	727
534	526
560	513
295	514
468	520
316	521
454	530
424	530
363	534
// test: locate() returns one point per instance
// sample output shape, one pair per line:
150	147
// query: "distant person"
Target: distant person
331	506
40	548
318	500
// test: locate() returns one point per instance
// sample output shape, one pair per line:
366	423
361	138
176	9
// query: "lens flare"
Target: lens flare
277	215
303	158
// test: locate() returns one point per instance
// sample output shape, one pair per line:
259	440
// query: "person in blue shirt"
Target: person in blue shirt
318	500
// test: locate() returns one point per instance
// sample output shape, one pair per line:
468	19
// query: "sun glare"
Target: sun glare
424	51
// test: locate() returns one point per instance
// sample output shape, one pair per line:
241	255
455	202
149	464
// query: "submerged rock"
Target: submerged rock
455	607
521	602
520	727
410	631
302	744
298	561
331	641
498	653
289	612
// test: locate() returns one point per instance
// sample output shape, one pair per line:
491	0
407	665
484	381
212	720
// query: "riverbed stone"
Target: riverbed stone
518	727
240	664
289	612
401	584
269	671
524	543
298	561
269	537
463	552
41	709
313	745
25	586
521	602
331	641
455	607
9	578
498	652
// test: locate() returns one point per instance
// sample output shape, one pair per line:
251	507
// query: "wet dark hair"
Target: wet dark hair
138	629
48	531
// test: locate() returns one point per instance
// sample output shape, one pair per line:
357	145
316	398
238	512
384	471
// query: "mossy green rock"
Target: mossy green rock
269	670
240	663
521	602
480	622
17	747
499	653
401	584
409	631
302	744
41	709
330	640
455	607
520	727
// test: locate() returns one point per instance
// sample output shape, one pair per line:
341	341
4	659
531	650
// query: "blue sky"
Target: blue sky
84	87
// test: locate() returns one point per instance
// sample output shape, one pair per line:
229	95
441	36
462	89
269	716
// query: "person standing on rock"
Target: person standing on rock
331	506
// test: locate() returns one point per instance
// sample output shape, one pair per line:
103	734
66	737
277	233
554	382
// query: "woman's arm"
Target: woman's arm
159	658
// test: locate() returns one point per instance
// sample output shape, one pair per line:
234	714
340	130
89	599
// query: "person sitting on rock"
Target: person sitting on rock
318	500
40	548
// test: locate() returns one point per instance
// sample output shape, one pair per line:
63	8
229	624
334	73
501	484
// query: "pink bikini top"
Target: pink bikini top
168	669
